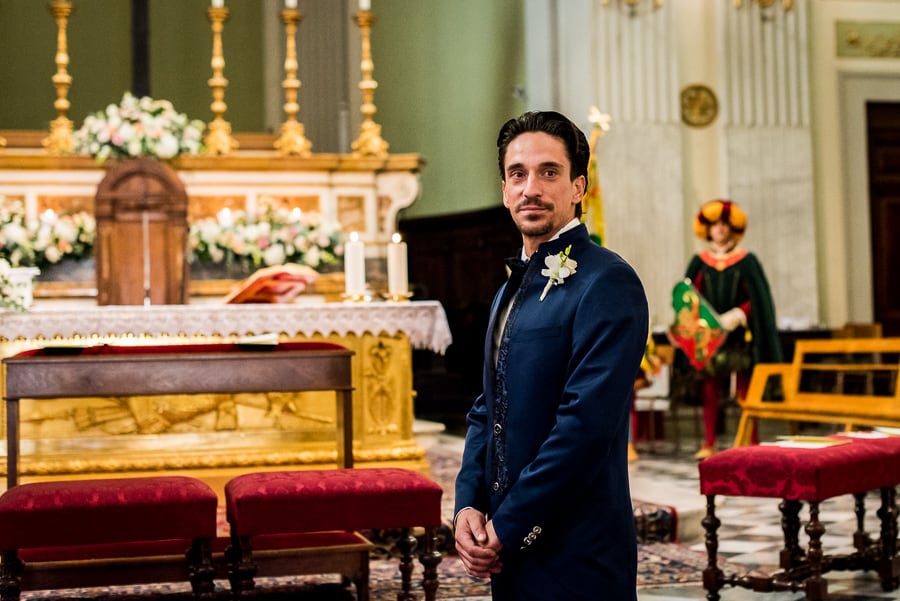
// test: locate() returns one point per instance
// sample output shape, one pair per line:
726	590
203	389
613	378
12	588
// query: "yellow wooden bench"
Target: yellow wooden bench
851	381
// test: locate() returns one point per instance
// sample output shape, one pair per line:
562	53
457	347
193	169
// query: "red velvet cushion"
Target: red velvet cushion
340	499
802	474
84	512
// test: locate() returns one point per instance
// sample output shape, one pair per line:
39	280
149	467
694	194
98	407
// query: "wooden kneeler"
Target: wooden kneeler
330	503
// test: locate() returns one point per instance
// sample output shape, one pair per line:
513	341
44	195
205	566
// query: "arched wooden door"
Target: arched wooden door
141	212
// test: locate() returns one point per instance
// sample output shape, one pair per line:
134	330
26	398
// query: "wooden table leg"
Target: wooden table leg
888	562
790	526
712	575
816	585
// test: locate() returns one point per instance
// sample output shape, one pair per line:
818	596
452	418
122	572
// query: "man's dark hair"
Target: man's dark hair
556	125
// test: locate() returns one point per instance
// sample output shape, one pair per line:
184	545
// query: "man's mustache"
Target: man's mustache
531	202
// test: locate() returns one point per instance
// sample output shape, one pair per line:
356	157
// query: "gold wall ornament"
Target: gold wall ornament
764	4
60	138
369	142
633	8
867	39
218	139
699	105
292	139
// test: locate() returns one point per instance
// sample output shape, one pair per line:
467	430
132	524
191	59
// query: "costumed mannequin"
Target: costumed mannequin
732	281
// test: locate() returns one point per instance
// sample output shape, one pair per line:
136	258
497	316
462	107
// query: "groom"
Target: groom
542	499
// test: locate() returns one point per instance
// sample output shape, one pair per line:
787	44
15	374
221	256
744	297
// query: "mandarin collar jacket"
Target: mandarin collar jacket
546	446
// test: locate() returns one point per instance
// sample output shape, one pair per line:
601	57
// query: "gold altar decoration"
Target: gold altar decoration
60	138
218	138
293	139
214	435
369	142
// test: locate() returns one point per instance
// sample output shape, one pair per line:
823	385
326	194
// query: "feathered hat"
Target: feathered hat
720	210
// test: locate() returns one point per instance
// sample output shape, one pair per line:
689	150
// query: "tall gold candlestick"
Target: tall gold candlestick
369	142
293	139
60	138
218	138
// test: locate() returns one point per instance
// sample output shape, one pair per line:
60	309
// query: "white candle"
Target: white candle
398	275
218	3
225	218
365	4
355	265
290	3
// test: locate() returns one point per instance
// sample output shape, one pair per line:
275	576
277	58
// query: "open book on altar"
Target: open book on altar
275	284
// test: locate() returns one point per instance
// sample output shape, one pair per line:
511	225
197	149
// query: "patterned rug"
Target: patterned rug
660	561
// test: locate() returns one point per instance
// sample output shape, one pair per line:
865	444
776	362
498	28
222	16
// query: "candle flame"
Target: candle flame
395	238
354	237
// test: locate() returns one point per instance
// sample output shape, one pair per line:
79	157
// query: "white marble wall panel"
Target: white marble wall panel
640	176
771	178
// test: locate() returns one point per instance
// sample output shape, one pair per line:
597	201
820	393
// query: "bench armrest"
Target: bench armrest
760	377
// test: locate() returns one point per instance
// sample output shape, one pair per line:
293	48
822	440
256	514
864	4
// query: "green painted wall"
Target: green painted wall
446	72
100	59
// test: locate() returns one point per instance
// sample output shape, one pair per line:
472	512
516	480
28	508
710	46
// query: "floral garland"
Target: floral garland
39	242
273	236
138	127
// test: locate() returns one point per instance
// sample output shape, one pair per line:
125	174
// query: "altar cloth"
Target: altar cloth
425	322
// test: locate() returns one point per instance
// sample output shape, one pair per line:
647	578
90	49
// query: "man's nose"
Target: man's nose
532	186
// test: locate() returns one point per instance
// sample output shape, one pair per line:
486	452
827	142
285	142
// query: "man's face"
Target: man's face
538	190
720	233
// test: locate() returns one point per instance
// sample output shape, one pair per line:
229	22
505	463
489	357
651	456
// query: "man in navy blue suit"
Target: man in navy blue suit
543	505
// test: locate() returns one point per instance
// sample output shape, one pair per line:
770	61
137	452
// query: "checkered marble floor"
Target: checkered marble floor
751	530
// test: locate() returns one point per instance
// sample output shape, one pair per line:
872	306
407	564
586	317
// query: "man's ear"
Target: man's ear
579	184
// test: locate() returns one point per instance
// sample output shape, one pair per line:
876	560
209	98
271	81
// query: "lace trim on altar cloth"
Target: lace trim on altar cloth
425	322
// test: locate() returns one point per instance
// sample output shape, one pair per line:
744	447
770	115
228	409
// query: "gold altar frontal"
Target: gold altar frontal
216	436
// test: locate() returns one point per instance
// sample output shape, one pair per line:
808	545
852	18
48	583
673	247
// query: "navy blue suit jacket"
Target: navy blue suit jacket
546	446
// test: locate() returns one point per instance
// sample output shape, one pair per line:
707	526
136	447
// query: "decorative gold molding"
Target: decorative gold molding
867	39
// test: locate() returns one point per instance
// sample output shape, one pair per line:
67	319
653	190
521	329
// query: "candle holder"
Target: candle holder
218	138
398	297
357	297
60	138
293	139
369	142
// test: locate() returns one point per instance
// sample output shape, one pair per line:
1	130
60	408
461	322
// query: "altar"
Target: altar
221	434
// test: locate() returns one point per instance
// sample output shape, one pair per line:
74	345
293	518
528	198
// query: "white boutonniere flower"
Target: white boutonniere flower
559	267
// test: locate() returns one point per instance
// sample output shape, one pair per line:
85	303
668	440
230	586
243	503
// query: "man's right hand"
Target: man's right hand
478	558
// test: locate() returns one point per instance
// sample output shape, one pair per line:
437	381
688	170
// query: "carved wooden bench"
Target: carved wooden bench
850	381
811	475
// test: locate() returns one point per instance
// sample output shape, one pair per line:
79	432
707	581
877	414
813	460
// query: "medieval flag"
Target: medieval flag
696	330
592	204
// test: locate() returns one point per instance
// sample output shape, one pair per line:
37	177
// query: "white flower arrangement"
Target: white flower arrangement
10	296
139	127
36	242
274	235
559	267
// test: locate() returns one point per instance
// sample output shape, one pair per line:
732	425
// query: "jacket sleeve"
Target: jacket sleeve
470	487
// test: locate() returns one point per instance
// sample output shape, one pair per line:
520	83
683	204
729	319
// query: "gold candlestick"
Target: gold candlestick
293	139
218	138
369	142
60	138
